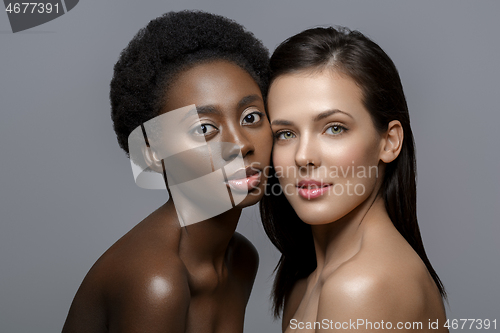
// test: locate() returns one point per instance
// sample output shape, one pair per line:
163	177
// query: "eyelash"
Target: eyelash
342	127
278	134
260	114
193	131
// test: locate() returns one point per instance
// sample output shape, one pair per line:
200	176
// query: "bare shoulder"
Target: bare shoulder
243	258
381	282
357	289
155	295
138	282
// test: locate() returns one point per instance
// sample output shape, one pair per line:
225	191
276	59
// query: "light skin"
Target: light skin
365	268
160	277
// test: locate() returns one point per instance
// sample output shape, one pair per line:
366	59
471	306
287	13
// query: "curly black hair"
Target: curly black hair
168	45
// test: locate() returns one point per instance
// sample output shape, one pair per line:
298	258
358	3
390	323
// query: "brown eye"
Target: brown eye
252	118
203	129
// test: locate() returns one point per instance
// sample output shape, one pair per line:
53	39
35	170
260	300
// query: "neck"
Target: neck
206	242
338	241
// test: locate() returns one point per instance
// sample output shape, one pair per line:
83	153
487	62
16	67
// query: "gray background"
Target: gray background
67	191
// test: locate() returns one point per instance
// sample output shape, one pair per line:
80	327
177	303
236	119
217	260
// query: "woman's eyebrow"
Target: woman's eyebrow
202	109
281	122
327	113
212	109
318	117
249	99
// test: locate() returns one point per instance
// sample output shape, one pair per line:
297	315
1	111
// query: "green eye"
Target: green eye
335	129
286	135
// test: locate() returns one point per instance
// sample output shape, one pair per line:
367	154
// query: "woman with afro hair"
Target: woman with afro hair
169	274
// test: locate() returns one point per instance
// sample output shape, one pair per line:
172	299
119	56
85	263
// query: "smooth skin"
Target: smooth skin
160	277
365	268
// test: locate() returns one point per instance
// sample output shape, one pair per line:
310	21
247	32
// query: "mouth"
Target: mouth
244	180
311	189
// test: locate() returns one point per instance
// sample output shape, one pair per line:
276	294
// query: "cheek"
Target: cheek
188	165
353	153
277	158
265	136
263	143
283	158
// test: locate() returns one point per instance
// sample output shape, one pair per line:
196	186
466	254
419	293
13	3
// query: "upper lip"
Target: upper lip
312	183
243	173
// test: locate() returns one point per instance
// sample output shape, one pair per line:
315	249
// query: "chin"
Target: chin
252	197
313	217
321	212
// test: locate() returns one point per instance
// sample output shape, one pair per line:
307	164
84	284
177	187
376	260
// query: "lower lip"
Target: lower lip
245	184
313	192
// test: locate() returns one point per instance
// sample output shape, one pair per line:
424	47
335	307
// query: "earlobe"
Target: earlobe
393	142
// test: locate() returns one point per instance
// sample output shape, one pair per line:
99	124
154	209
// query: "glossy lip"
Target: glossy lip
311	189
244	180
243	173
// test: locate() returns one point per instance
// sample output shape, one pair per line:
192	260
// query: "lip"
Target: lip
244	180
311	189
243	173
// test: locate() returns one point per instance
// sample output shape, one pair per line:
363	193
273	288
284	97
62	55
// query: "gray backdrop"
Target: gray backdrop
67	191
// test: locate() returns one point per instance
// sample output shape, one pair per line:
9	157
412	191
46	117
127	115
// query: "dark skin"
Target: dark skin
160	277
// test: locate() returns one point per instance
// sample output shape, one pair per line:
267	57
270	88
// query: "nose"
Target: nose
241	142
307	153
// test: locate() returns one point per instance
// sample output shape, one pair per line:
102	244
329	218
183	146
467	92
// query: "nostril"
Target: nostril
230	151
231	157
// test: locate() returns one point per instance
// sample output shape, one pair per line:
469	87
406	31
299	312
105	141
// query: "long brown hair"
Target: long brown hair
353	54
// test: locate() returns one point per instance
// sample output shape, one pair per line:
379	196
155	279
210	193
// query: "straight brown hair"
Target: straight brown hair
356	56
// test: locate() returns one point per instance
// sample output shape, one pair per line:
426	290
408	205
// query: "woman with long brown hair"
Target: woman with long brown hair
341	205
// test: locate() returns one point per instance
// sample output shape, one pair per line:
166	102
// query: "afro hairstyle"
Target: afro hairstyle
169	44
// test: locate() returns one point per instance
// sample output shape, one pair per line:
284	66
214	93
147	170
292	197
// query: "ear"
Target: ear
152	159
392	142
